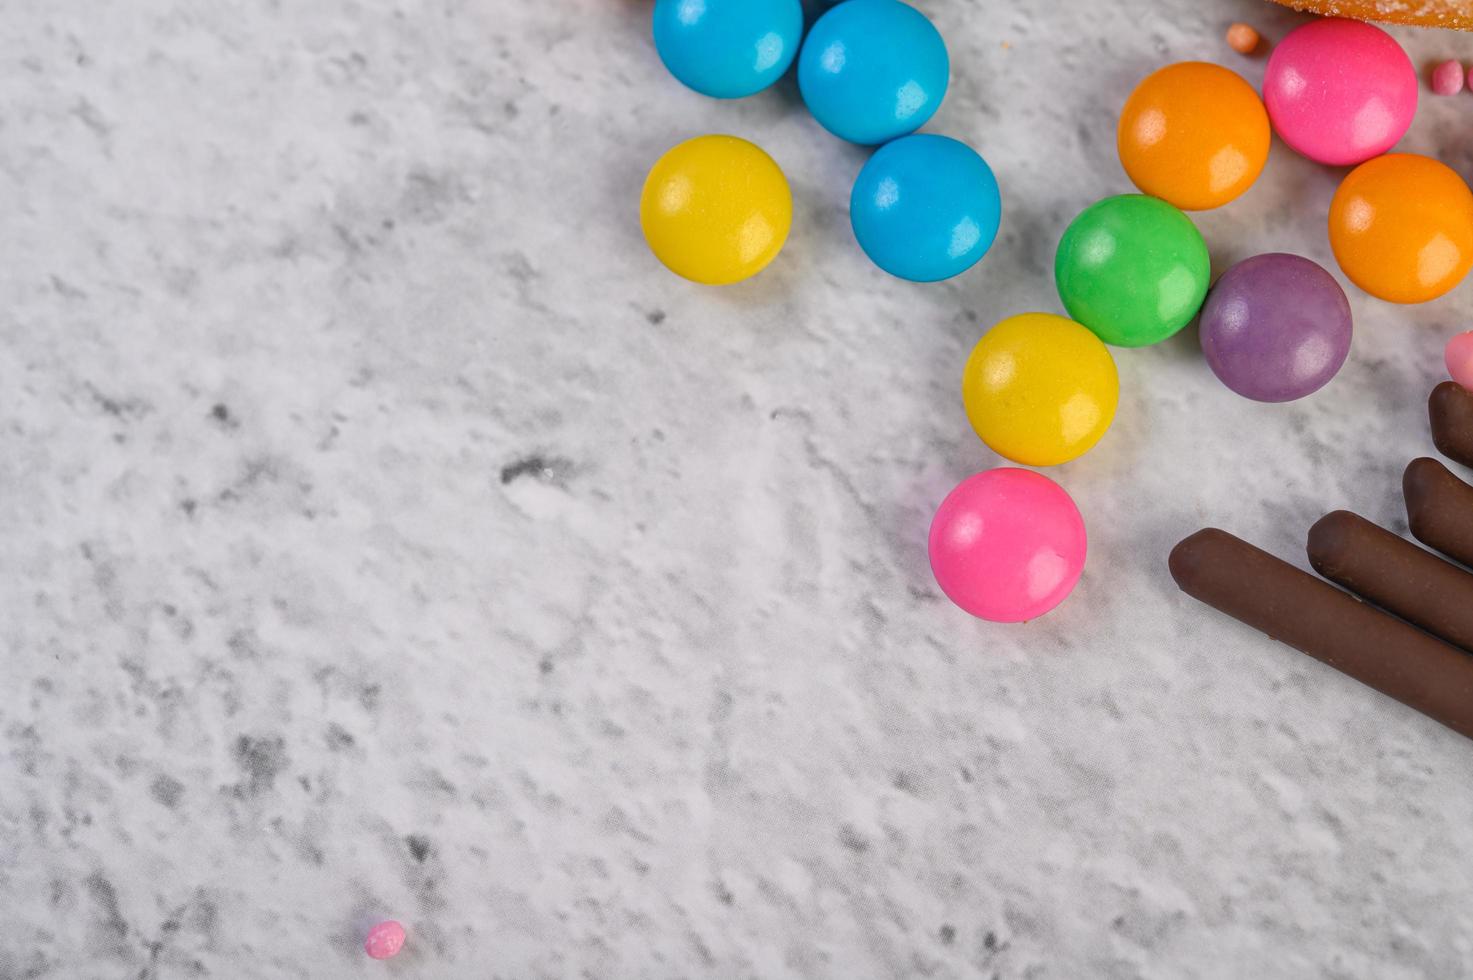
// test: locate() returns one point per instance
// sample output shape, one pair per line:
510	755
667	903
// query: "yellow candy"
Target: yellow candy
716	209
1040	389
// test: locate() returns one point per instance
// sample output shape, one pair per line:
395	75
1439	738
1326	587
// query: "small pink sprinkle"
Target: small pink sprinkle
1459	357
1447	78
384	940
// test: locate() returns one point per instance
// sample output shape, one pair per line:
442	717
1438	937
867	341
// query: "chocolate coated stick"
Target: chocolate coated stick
1439	509
1395	574
1316	618
1451	411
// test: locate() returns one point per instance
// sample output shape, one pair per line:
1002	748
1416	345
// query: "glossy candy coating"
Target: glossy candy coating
716	209
1276	327
1133	269
1039	389
1007	545
728	48
1401	227
1340	91
925	207
1193	134
872	70
1459	358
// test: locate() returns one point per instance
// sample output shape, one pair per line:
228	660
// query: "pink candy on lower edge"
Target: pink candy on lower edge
1340	91
1007	545
1459	357
384	940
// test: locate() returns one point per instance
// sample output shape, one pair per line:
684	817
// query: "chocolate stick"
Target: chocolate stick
1316	618
1451	411
1439	509
1395	574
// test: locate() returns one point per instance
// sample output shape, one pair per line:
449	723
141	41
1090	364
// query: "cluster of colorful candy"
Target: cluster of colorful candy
1131	270
717	209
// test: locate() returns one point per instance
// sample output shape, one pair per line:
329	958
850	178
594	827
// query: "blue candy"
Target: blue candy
925	208
728	48
872	70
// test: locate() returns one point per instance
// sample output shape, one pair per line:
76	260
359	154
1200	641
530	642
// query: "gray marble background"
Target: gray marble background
385	533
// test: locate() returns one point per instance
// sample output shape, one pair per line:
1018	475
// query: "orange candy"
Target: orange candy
1401	226
1242	38
1194	134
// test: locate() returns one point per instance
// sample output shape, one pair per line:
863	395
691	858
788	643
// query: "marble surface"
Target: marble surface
385	533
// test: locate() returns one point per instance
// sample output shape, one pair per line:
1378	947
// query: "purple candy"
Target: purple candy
1276	327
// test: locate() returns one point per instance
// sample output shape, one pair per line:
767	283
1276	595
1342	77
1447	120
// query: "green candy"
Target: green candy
1133	269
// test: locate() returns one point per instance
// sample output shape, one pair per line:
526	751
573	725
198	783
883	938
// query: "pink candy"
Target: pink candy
1459	356
1007	545
1447	78
1340	91
384	940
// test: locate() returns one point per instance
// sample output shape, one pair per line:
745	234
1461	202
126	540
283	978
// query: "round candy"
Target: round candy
1459	357
1133	269
384	940
872	70
1401	227
1040	389
1447	78
1194	134
1276	327
1340	91
1007	545
716	209
925	207
1243	38
728	48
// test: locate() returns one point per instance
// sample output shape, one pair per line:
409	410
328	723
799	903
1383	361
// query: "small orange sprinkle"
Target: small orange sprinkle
1242	38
